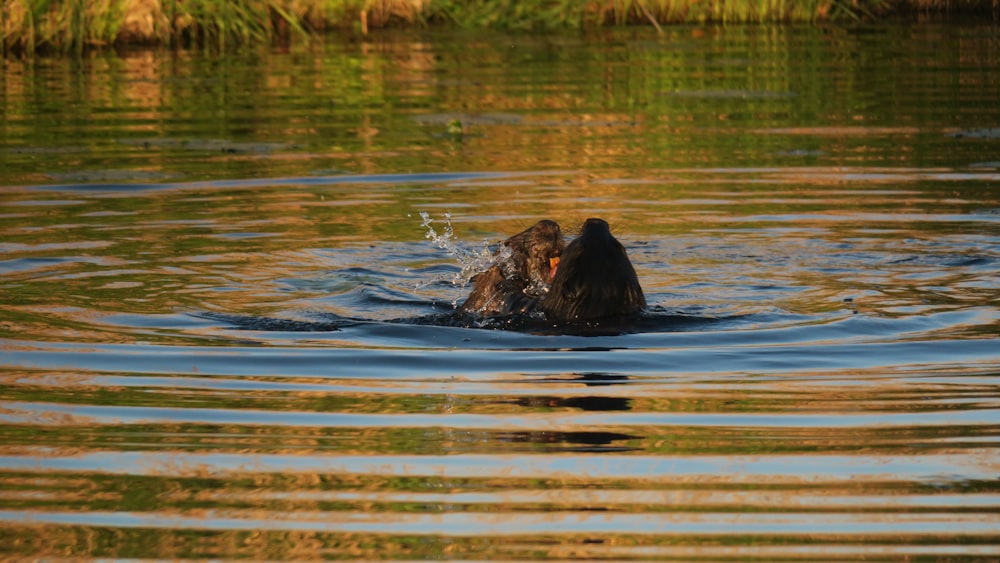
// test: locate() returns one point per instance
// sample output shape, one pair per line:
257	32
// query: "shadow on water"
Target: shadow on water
592	441
654	320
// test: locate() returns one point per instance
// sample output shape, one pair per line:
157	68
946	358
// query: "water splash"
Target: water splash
471	260
476	260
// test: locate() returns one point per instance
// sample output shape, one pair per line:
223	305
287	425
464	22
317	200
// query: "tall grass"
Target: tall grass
224	22
64	25
29	26
743	11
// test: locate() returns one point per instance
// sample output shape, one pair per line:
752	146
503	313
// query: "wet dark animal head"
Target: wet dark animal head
595	279
533	251
513	285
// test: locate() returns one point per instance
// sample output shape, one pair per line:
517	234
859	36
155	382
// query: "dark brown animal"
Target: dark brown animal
514	284
595	280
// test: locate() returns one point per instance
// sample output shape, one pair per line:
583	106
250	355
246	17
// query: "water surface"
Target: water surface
219	303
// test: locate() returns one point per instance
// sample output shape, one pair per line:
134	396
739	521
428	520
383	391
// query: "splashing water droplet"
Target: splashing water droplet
471	260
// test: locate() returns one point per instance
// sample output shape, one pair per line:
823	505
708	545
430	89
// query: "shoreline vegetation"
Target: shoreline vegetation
30	26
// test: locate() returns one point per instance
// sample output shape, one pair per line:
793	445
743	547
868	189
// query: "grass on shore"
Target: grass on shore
28	26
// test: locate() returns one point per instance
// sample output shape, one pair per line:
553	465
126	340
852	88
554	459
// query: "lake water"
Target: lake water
219	304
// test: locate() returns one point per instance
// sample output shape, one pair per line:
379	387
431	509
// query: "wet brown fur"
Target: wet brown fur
512	287
595	279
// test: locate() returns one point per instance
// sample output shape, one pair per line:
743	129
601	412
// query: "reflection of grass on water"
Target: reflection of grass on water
66	25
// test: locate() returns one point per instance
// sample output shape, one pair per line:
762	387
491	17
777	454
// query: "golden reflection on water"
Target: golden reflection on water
821	383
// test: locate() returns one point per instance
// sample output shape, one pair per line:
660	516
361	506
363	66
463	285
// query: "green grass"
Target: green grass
30	26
